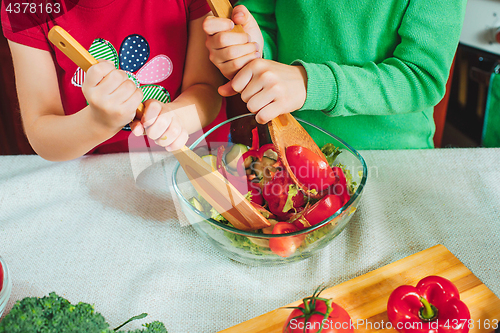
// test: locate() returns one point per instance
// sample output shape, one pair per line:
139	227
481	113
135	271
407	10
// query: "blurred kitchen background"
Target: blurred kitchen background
460	117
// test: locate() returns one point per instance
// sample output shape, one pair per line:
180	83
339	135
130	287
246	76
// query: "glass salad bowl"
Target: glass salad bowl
5	285
259	247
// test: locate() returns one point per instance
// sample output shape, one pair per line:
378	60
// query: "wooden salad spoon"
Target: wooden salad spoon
209	183
285	130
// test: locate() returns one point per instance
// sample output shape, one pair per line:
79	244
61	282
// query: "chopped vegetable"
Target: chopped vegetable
235	154
214	214
54	313
196	204
211	160
331	152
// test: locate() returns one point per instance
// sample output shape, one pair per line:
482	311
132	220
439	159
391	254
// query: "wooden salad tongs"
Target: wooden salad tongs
209	183
285	130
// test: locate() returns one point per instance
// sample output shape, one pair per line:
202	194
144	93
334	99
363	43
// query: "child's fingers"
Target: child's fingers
232	67
152	110
137	128
160	126
268	113
170	133
213	25
254	87
96	73
225	39
134	100
123	93
112	81
242	79
242	16
237	51
260	100
226	90
179	141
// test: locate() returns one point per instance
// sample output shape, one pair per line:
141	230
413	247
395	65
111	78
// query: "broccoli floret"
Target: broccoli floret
55	314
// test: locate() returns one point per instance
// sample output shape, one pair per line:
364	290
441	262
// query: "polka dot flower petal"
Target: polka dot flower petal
156	70
134	53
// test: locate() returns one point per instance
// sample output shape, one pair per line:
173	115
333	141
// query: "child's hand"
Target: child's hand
269	88
111	95
231	51
162	125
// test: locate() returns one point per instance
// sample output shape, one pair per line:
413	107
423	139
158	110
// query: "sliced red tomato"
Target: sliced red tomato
320	313
309	168
320	211
285	246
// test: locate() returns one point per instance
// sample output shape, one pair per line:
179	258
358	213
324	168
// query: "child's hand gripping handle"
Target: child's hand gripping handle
78	54
223	8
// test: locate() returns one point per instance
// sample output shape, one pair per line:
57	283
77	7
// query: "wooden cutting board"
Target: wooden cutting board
365	297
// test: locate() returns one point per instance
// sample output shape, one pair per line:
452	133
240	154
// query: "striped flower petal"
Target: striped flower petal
78	77
102	49
152	91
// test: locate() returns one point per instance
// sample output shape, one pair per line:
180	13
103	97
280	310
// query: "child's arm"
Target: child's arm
268	87
169	124
112	99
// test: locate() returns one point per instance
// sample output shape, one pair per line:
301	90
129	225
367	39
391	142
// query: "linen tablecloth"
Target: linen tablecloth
105	230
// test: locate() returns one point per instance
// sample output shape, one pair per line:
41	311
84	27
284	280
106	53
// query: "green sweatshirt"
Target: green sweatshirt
375	68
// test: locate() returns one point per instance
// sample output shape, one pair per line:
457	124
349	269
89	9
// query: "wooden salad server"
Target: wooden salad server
209	183
285	130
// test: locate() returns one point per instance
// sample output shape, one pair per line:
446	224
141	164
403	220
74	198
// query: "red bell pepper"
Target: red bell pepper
255	151
433	306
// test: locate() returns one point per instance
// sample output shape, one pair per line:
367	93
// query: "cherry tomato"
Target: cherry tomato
285	246
309	168
322	209
309	319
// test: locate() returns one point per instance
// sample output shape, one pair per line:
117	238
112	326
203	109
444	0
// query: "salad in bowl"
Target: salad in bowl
302	220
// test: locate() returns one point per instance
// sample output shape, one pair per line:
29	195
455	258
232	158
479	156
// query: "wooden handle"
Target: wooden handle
78	54
223	8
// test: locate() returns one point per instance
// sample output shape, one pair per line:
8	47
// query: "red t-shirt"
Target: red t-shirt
148	38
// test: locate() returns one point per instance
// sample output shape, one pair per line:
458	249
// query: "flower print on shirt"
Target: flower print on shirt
133	59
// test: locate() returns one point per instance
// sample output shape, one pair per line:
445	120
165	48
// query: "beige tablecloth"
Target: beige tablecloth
104	230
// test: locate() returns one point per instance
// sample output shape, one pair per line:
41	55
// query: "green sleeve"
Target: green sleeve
412	79
263	12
